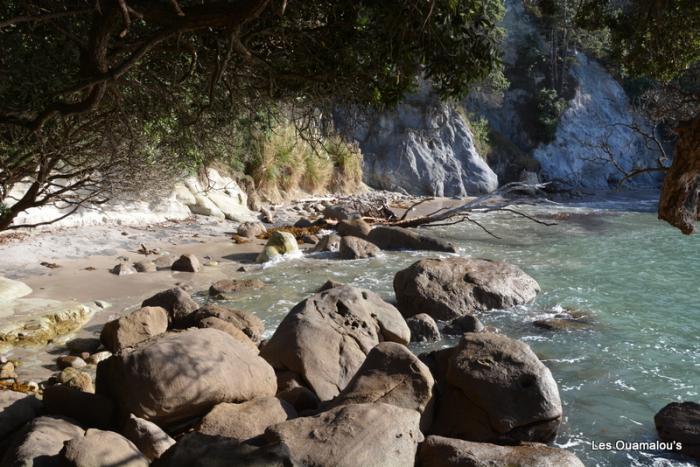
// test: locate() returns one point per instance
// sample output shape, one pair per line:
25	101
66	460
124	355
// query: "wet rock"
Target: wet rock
310	239
561	324
494	389
91	410
176	376
186	263
148	437
279	243
437	451
76	379
176	302
230	329
373	434
451	287
251	325
356	227
330	242
398	238
40	444
228	289
16	409
251	229
356	248
200	450
466	323
102	448
123	269
247	420
36	321
267	215
329	284
83	344
134	328
66	361
326	337
423	328
145	266
680	422
391	374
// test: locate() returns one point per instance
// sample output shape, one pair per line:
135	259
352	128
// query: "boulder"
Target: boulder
326	337
200	450
145	266
247	420
228	289
91	410
148	437
340	212
176	302
40	444
251	229
102	448
123	269
370	435
97	357
391	374
70	361
356	227
37	321
251	325
399	238
134	328
186	263
162	262
76	379
300	397
451	287
179	375
466	323
494	389
279	243
423	328
329	284
217	323
330	242
680	422
303	223
16	409
356	248
561	324
437	451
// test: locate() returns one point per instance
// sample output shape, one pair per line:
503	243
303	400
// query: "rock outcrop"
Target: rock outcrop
134	328
452	287
325	338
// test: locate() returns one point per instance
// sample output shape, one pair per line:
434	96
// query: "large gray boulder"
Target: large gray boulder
16	409
451	287
102	449
325	338
148	437
247	420
680	422
423	328
391	374
40	444
437	451
399	238
134	328
373	434
423	147
494	389
180	375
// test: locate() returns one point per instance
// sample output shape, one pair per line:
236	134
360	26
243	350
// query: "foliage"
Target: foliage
549	108
175	84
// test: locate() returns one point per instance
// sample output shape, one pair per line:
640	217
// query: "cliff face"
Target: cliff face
423	147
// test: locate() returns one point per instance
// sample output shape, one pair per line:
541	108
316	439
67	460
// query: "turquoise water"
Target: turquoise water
636	276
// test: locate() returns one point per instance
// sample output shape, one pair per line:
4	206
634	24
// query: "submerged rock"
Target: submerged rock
371	435
494	389
680	422
423	328
180	375
279	243
326	337
451	287
466	323
437	451
399	238
228	289
330	242
356	248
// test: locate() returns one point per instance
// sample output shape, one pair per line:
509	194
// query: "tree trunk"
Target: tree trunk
679	197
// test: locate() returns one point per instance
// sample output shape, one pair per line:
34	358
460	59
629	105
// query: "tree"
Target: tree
143	83
659	39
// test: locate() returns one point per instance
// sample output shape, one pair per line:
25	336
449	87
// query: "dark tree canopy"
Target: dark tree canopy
82	78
